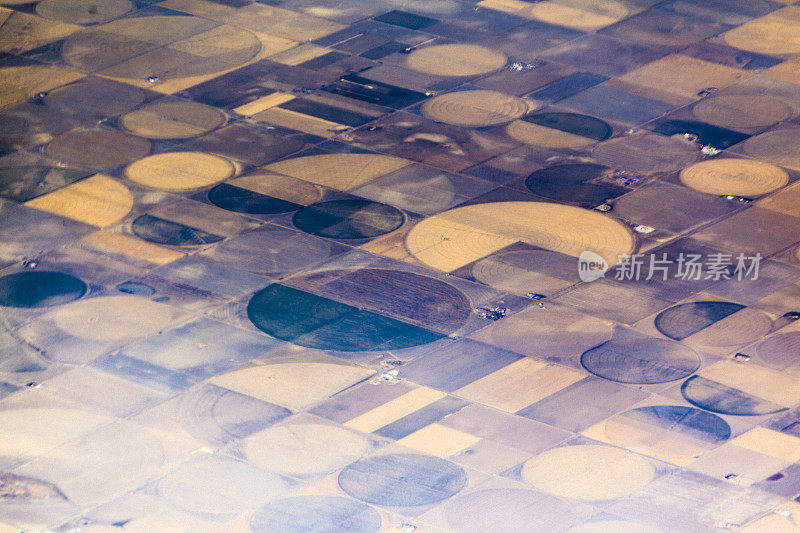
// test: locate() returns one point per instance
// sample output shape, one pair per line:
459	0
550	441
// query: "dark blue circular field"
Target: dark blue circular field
40	288
162	231
348	219
239	200
719	398
394	310
574	123
583	184
641	360
683	320
688	421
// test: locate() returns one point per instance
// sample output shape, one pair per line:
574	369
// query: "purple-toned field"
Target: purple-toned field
400	266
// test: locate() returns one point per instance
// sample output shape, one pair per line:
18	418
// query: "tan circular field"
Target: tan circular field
98	200
113	318
82	12
594	15
280	186
475	108
738	177
452	239
741	327
455	60
538	135
743	110
772	34
588	472
180	170
338	171
173	120
293	385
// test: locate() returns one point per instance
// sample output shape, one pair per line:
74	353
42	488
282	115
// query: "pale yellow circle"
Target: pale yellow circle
743	110
304	449
455	60
112	318
28	433
475	108
738	177
338	171
455	238
538	135
591	15
588	472
81	11
180	170
769	35
172	120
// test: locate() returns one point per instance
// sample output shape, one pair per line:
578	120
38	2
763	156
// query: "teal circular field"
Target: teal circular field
361	310
348	219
